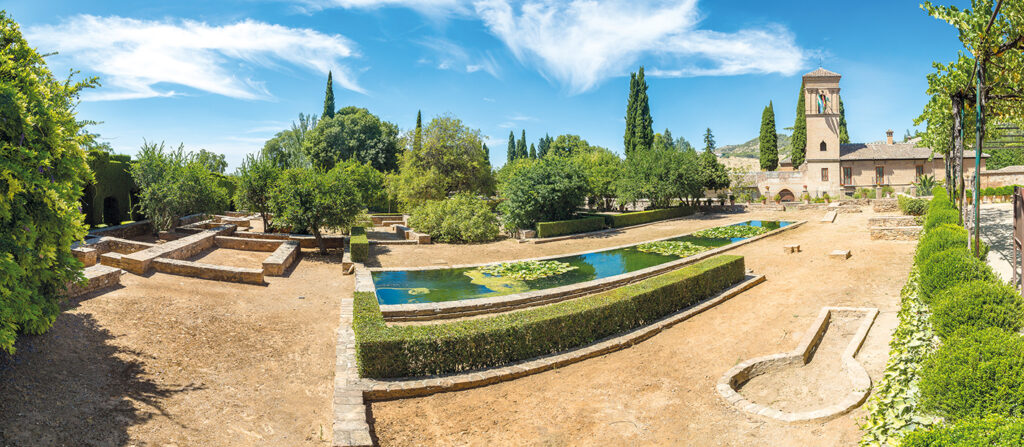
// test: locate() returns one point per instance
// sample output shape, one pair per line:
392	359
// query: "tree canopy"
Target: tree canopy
451	160
311	199
769	141
639	124
544	190
175	183
798	142
353	133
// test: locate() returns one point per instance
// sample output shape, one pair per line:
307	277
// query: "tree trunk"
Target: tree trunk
958	155
319	240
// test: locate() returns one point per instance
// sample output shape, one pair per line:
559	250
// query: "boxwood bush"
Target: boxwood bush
951	267
979	374
419	350
462	218
642	217
359	245
938	217
992	431
911	206
974	306
572	226
940	239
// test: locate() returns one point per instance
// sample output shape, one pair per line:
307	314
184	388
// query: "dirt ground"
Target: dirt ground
231	257
662	391
174	361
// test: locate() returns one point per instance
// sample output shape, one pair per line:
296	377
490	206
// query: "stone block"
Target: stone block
794	248
97	277
88	256
283	257
208	271
829	217
896	233
250	244
840	254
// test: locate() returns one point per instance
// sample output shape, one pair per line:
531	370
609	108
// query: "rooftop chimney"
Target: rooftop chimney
888	136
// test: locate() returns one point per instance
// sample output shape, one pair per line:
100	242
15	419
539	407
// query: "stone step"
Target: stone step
97	277
829	217
841	255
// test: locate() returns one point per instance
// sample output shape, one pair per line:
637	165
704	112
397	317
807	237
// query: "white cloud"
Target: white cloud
582	42
135	58
451	56
428	7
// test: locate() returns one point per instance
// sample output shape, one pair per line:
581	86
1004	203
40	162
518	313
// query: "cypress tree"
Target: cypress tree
417	138
521	151
533	151
329	98
545	144
487	153
798	144
511	146
844	135
643	126
769	140
627	139
709	140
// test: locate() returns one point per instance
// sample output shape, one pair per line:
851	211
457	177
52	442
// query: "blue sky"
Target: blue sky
227	75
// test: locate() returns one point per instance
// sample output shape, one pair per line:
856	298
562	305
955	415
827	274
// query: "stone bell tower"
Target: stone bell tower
821	99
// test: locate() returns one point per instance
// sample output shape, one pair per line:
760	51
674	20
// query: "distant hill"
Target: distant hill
751	149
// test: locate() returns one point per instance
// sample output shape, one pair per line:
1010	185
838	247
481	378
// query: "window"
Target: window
879	175
824	147
824	174
847	176
918	171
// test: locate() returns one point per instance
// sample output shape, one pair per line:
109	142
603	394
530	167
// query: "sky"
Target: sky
227	75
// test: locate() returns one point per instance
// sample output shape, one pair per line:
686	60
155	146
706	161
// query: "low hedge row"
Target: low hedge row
912	206
359	245
642	217
992	431
572	226
409	351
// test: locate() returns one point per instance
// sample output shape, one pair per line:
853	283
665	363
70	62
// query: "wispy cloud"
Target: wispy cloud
135	58
433	8
451	56
582	42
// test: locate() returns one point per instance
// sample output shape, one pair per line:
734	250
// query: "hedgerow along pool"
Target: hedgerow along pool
452	284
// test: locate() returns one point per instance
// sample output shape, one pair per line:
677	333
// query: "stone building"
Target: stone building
842	169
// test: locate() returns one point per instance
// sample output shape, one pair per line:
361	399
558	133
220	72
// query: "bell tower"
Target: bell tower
821	99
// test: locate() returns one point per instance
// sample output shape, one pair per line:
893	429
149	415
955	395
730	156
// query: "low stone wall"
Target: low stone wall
893	221
97	277
124	246
139	228
737	208
885	205
140	262
896	233
304	240
88	256
765	207
249	244
283	257
407	233
112	259
208	271
809	206
382	220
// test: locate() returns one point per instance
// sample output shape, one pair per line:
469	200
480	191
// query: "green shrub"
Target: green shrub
974	306
988	192
939	191
461	218
941	217
359	246
549	189
642	217
992	431
356	231
949	268
979	374
939	239
911	206
887	190
418	350
573	226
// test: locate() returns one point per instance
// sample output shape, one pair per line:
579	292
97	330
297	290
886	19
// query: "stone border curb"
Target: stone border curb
395	389
479	306
545	240
350	427
741	373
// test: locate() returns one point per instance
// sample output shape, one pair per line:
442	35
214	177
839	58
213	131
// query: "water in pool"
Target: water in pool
423	286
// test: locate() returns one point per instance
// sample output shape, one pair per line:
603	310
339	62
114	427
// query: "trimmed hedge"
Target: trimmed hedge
420	350
992	431
642	217
949	268
359	245
979	374
911	206
940	239
976	305
572	226
939	217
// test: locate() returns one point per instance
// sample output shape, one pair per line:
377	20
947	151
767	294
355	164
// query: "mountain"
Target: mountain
751	149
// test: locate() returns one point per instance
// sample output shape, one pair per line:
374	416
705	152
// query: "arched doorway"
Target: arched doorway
787	195
111	213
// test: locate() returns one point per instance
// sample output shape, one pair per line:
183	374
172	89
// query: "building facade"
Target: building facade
841	169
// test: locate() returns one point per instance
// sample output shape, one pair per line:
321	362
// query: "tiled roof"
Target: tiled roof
896	151
822	73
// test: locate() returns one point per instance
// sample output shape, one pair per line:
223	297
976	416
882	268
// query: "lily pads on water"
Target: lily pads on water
672	248
527	270
731	231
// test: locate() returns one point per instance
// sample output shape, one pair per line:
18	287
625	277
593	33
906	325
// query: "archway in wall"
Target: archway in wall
110	211
87	205
787	195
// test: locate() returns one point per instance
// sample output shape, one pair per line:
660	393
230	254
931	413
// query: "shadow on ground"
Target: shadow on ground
71	386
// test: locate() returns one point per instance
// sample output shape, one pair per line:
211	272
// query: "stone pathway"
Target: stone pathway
997	232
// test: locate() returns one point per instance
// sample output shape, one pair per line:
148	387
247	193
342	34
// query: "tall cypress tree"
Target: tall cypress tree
417	138
798	144
487	153
844	135
533	151
329	98
643	126
511	146
769	140
628	138
544	145
521	151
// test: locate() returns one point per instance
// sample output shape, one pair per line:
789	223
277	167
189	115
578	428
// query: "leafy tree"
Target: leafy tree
511	152
354	133
487	153
769	140
544	190
174	183
713	174
798	142
369	183
521	151
42	173
257	177
639	124
317	200
461	218
212	161
567	145
844	135
663	141
329	98
452	160
533	151
602	170
659	175
544	145
285	148
417	140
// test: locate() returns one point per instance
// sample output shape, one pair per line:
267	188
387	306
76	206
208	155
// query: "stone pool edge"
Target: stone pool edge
477	306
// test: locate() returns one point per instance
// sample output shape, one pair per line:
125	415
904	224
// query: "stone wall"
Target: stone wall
893	221
139	262
1010	175
283	257
97	277
140	228
896	233
208	271
885	205
88	256
249	244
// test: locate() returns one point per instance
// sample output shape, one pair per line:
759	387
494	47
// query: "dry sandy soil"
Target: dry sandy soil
175	361
662	391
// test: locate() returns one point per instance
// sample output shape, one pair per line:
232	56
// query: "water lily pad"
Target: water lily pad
731	231
672	248
527	270
419	291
